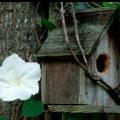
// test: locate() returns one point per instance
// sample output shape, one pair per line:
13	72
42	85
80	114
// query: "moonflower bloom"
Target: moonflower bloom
18	79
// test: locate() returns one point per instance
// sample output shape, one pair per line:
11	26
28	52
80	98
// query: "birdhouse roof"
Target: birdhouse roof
90	25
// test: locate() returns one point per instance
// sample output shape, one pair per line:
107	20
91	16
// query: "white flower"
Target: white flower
18	79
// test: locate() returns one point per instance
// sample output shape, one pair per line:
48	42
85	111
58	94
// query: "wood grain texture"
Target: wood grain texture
16	37
99	96
55	44
83	109
62	84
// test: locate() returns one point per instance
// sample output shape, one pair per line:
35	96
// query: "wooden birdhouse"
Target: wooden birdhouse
63	80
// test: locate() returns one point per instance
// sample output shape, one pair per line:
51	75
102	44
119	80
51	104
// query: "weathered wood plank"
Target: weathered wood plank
110	74
43	82
55	44
62	84
82	88
83	109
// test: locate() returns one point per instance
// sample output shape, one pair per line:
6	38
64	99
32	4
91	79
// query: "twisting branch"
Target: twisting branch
77	35
94	78
67	39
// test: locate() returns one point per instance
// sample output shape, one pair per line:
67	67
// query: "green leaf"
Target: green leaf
32	108
109	5
4	117
46	23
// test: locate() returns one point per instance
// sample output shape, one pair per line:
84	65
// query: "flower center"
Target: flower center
15	79
17	82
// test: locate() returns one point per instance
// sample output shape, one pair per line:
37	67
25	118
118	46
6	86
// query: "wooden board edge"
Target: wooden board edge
83	109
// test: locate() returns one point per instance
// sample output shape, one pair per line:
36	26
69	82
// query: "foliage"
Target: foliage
46	23
32	108
110	5
4	117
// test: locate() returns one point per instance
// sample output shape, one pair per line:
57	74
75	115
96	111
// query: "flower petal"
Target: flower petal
3	75
32	87
13	62
31	72
4	86
14	93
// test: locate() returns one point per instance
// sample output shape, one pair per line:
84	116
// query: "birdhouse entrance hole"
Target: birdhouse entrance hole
103	63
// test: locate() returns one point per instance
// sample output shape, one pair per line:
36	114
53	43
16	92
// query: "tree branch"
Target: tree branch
67	39
94	78
77	35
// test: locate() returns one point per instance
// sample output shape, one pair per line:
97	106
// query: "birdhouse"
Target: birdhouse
63	80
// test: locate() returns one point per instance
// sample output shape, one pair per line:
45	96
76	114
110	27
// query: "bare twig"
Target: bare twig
35	13
77	35
37	8
67	39
17	110
39	40
37	37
